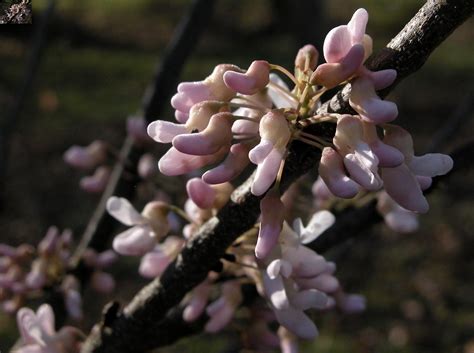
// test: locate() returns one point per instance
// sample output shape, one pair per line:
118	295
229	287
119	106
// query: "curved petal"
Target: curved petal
135	241
297	322
309	298
431	164
164	131
121	209
319	222
45	316
403	187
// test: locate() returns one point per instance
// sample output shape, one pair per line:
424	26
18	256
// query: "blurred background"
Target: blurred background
98	59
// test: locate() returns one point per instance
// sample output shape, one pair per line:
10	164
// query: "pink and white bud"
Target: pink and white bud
147	166
217	135
196	305
273	213
340	40
307	55
175	162
330	75
365	101
396	217
86	157
202	194
255	79
212	88
331	170
235	162
222	310
97	182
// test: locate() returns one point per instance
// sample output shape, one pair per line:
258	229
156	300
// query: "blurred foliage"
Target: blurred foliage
100	57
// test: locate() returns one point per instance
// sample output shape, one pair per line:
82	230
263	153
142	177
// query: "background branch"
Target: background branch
134	329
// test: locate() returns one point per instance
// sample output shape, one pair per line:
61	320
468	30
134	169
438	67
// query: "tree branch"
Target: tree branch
134	329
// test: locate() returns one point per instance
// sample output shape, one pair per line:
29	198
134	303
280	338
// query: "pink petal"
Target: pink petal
220	317
324	282
181	117
164	131
275	292
178	163
273	212
255	79
202	194
266	172
331	170
360	170
336	44
357	24
330	75
425	182
258	154
45	316
402	221
297	322
388	156
403	187
121	209
231	167
198	302
153	264
431	164
365	101
216	135
135	241
97	182
309	298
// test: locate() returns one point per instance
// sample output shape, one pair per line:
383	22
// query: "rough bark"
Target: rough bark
135	328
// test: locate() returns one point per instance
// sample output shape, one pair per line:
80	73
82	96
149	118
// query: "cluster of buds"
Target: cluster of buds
24	270
237	116
149	233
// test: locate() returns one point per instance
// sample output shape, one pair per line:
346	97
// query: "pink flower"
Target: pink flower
255	79
395	216
296	278
155	262
146	228
269	153
359	160
86	157
212	88
401	182
197	304
97	182
39	336
221	311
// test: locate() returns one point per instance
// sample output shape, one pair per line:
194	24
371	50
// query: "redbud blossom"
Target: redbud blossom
86	157
38	333
146	228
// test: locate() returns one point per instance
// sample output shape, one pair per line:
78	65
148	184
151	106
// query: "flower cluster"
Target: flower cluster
25	270
235	117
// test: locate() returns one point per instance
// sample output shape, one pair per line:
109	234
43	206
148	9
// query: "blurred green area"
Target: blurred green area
419	288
